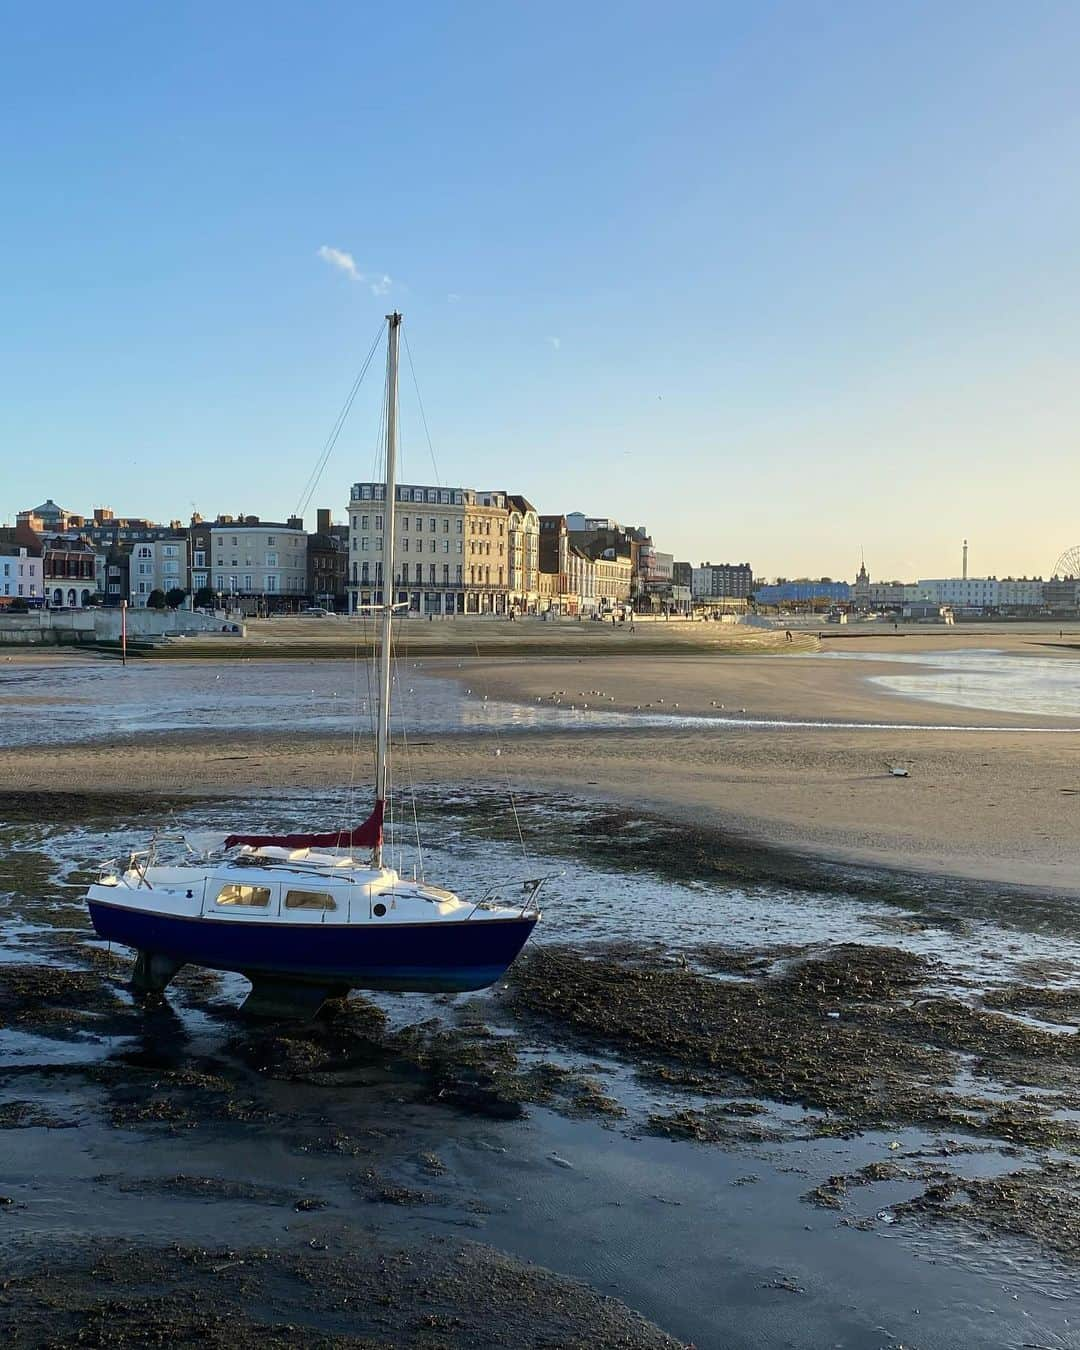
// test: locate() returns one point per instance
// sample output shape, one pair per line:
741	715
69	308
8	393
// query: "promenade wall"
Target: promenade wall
53	628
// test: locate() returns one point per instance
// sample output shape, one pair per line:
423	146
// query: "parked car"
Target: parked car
315	612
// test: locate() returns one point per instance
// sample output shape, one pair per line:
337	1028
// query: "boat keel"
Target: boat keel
272	996
153	971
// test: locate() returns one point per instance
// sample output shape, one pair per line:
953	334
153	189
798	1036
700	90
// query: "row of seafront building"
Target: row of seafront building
458	551
462	551
1006	597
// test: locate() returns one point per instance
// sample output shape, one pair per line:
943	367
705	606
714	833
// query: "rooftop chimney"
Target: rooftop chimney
965	560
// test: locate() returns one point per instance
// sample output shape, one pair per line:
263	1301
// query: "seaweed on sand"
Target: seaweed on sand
345	1291
844	1033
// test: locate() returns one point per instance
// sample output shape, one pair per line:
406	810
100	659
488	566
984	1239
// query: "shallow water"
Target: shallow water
712	1243
987	680
61	704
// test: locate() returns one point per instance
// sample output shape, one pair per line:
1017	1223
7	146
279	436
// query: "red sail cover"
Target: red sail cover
368	835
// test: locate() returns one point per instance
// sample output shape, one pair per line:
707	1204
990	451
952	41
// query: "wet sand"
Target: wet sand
996	803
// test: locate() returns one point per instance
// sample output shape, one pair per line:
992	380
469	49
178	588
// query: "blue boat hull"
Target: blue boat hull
443	957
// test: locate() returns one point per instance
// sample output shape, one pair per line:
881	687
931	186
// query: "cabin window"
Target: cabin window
309	900
253	897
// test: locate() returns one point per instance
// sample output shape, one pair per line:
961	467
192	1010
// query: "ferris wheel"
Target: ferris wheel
1068	565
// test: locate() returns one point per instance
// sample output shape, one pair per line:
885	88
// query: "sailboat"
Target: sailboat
309	916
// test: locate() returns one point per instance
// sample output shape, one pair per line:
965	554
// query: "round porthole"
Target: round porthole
379	910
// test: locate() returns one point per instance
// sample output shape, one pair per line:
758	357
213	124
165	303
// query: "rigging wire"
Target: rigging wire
335	431
506	776
403	727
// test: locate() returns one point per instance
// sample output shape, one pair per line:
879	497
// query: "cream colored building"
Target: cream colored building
613	581
246	560
487	560
523	548
456	550
429	547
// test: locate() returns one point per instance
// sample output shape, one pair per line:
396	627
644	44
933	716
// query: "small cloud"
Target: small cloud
336	258
453	298
555	342
345	262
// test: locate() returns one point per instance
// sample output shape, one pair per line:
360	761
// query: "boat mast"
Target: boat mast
382	745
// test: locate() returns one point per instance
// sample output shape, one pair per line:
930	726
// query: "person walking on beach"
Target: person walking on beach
787	634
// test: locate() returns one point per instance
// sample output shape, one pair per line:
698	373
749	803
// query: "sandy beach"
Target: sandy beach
999	803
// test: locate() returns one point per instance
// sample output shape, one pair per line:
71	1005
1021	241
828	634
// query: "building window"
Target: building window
378	522
271	539
419	522
271	583
365	543
446	545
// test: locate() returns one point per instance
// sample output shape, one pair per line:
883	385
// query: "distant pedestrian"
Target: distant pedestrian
787	634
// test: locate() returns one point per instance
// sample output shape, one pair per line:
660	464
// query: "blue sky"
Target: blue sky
777	280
